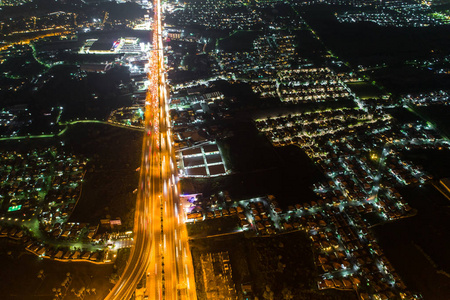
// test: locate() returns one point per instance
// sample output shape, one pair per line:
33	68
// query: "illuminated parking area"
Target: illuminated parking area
127	45
203	160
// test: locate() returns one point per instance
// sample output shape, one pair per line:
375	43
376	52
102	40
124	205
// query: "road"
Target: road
161	249
170	274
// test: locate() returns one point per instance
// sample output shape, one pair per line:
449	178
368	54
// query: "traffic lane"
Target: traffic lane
169	256
154	271
139	255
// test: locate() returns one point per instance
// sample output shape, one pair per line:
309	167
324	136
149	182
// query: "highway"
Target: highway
161	251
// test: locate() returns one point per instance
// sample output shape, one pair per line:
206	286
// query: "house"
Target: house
86	255
347	283
245	224
287	226
41	251
76	255
67	255
259	226
59	254
94	256
241	217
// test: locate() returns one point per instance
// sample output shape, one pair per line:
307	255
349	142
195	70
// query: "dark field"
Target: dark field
114	155
234	245
365	90
309	47
403	115
369	44
403	79
19	275
238	41
438	115
213	226
111	177
417	246
434	161
259	169
284	264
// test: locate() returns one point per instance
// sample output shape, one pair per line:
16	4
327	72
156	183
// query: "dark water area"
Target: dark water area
417	247
19	271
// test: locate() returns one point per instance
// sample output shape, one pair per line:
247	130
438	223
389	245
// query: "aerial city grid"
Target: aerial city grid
221	149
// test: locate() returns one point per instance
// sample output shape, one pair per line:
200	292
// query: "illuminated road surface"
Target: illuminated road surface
161	250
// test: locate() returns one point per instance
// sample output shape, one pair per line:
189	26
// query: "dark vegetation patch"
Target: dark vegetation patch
369	44
120	264
365	90
403	79
438	115
20	66
213	226
16	263
111	176
283	264
239	40
259	169
434	161
403	115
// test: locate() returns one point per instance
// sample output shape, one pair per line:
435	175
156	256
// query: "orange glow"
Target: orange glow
161	250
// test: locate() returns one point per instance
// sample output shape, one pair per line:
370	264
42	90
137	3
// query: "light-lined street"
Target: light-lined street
161	250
